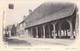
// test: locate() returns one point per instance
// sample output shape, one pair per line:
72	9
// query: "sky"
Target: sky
21	8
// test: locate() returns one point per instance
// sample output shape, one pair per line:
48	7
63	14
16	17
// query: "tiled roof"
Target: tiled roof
50	11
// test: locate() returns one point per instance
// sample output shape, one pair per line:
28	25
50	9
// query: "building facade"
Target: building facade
53	20
10	30
20	28
13	30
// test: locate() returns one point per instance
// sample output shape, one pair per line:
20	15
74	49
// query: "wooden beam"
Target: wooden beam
54	22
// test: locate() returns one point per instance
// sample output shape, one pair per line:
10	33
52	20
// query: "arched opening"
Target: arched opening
51	29
65	29
46	31
34	32
40	34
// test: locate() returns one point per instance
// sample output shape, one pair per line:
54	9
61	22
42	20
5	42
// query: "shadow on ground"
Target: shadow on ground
18	42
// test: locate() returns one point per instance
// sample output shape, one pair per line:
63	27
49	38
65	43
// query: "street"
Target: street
17	41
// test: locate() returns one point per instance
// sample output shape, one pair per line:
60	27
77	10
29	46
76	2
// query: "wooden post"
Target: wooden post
66	33
63	32
57	32
59	29
36	32
28	33
77	25
43	30
54	29
41	33
71	28
31	32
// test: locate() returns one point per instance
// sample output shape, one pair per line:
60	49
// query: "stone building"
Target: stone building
53	20
8	29
13	30
21	27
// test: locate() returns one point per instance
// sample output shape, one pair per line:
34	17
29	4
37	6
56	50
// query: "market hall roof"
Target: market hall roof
50	11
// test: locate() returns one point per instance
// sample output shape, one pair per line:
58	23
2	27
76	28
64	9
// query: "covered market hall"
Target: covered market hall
53	20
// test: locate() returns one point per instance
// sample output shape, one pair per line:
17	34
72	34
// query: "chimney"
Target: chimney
30	11
24	17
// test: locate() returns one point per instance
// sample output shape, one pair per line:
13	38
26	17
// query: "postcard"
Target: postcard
40	25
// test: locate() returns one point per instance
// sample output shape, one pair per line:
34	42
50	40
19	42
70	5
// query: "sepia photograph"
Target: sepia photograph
46	25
